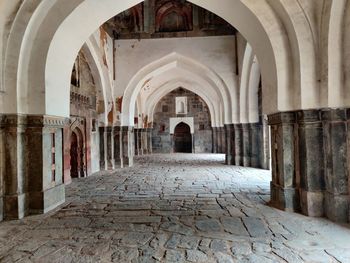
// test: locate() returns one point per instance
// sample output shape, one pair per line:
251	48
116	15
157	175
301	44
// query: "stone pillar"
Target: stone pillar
144	141
335	122
246	136
256	145
67	179
223	140
172	143
149	140
117	146
215	147
15	192
103	148
110	148
284	184
127	141
44	139
138	150
266	145
238	146
230	142
218	140
2	168
311	160
193	145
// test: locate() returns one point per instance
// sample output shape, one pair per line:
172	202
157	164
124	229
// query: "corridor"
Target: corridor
173	208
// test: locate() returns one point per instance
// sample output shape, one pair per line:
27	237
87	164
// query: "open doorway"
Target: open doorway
182	138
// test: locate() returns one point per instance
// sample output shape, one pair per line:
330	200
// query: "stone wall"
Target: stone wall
165	109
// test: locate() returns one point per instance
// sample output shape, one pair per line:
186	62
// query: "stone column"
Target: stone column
256	145
246	136
15	193
193	145
223	140
135	142
335	122
144	141
110	147
266	145
117	146
44	139
238	132
2	168
103	148
284	184
139	142
218	140
67	179
127	140
230	142
311	160
214	143
149	140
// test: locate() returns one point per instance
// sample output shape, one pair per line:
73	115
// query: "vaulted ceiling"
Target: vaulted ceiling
164	18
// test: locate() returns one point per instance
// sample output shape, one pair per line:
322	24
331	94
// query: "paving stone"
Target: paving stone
234	226
262	247
223	258
174	256
135	239
196	256
218	245
256	227
241	248
124	255
208	225
176	227
188	242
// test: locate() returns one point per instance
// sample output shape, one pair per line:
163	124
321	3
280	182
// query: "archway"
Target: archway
182	138
77	146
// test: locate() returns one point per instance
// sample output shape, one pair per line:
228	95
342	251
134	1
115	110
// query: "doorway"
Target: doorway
74	170
182	138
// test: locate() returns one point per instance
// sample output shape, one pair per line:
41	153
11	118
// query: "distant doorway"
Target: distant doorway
182	138
77	164
74	170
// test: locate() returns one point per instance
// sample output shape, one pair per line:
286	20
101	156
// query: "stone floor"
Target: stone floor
173	208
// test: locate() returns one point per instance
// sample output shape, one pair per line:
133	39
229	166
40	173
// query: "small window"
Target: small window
162	128
181	105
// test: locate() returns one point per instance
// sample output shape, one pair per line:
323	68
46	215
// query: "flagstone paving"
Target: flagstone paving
173	208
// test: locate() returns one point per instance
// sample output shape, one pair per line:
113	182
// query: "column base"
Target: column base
286	199
127	162
312	203
44	201
246	161
15	206
337	207
229	160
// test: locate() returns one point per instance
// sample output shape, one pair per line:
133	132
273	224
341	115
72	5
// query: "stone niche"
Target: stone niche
167	109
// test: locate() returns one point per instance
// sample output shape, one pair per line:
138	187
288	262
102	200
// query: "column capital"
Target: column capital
282	117
335	114
304	116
